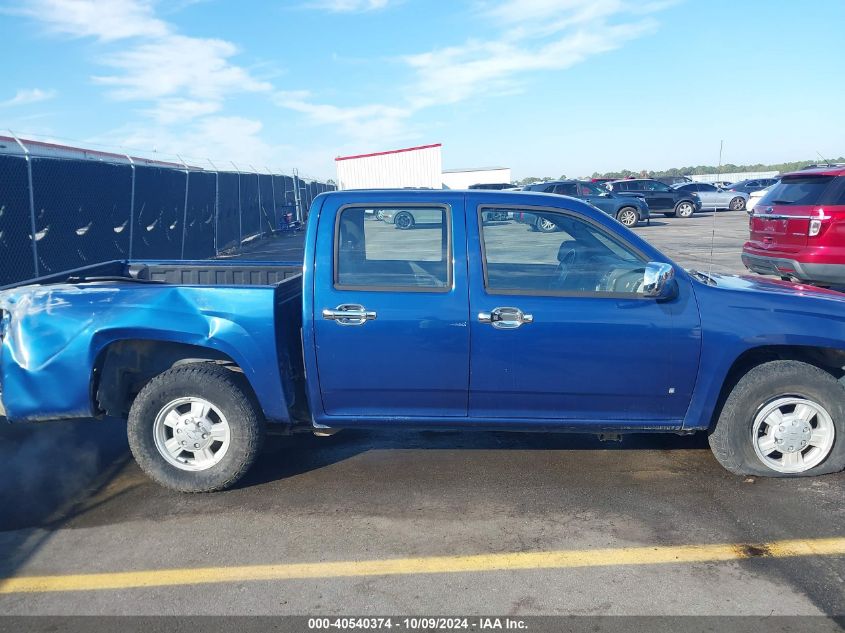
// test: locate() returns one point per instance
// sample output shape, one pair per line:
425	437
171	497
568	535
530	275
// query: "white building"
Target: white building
465	178
418	167
734	177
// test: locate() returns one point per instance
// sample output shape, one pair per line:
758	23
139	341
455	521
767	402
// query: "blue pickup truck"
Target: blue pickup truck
459	321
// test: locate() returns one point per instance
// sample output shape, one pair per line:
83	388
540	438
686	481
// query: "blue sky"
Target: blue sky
547	87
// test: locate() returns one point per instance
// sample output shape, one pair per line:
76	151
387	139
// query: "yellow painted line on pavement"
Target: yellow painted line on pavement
562	559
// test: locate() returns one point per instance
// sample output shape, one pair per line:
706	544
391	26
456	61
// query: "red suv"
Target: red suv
798	228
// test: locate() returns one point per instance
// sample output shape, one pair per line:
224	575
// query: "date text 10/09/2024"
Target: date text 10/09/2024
425	624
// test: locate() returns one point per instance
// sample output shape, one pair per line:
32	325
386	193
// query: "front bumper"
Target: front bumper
785	267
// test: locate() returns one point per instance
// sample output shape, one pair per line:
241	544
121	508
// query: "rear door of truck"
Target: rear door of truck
391	309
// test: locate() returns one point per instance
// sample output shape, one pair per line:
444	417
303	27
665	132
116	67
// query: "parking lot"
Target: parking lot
387	522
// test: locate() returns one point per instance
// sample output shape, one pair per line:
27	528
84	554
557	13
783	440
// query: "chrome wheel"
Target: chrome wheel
191	434
628	217
546	225
685	210
380	214
792	434
737	203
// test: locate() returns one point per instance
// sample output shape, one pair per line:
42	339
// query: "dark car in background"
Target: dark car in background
753	184
628	210
797	230
494	186
673	180
659	196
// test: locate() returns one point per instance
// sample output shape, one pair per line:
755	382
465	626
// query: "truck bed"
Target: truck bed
177	272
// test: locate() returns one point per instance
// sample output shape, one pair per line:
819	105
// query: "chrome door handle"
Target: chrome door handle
349	314
505	318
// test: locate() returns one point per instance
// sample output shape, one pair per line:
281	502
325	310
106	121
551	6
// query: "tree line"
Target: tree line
693	171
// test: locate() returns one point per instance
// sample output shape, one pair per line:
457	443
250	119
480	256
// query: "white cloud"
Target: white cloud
221	138
181	77
178	65
28	96
359	122
535	35
107	21
529	36
349	6
172	111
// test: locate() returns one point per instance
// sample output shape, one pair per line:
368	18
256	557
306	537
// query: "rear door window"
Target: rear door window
408	249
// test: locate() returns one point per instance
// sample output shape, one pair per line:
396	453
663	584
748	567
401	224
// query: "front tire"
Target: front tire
544	225
782	419
628	216
684	209
195	428
737	204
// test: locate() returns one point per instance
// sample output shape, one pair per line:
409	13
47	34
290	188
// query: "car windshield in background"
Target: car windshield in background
591	189
802	190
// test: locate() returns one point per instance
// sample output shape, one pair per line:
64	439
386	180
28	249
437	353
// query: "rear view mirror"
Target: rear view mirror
659	281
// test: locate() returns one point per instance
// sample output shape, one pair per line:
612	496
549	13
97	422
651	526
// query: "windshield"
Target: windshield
798	190
591	189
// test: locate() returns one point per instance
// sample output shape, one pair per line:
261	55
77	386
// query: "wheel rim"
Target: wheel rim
628	217
792	434
380	214
403	221
737	204
685	210
191	434
546	225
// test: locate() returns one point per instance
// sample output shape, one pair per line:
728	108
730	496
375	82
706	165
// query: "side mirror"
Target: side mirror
659	281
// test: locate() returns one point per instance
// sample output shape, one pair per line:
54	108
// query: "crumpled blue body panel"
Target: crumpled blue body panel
53	335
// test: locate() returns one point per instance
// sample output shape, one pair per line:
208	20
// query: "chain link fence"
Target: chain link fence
58	214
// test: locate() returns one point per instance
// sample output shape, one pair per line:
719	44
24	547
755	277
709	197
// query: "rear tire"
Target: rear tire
404	221
761	428
165	408
684	209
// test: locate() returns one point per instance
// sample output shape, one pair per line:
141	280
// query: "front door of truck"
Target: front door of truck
390	310
561	330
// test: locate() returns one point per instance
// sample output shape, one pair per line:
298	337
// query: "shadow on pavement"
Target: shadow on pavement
285	457
47	468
